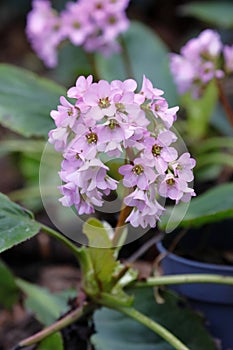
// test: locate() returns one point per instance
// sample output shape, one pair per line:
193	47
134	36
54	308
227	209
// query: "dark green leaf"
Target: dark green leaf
73	61
148	55
26	101
214	205
16	224
54	341
8	289
220	122
116	331
199	111
46	306
218	13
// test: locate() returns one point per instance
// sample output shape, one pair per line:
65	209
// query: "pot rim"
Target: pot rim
193	263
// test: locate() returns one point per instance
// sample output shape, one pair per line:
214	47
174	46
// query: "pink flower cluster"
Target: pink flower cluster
112	119
93	24
199	62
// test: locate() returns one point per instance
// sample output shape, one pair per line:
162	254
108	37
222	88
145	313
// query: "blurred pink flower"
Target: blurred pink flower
197	63
44	31
94	24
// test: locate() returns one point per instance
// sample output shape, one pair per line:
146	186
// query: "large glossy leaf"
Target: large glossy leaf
26	101
8	289
148	55
116	331
214	205
16	224
218	13
46	306
54	341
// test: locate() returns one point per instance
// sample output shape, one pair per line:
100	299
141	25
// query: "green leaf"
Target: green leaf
214	205
73	61
96	233
46	306
214	158
26	101
16	224
148	55
215	143
220	121
100	251
218	13
54	341
116	331
199	111
8	289
17	145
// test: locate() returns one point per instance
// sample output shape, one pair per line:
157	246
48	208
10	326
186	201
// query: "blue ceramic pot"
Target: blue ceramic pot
215	301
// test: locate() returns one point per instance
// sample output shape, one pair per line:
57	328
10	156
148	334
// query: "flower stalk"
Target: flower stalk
57	326
154	326
62	238
120	225
185	278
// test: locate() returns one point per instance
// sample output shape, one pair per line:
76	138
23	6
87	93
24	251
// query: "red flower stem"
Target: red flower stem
225	103
120	225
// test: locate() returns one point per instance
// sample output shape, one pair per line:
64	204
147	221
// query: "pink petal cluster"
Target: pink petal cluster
93	24
197	63
113	120
44	31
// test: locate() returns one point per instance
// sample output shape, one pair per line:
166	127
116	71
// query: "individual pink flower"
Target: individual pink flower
158	150
85	145
76	24
138	174
149	91
112	134
66	115
146	210
183	166
71	196
100	99
113	24
174	188
87	183
128	85
161	111
92	175
82	85
59	137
